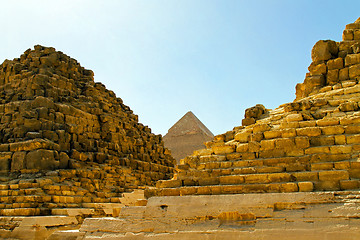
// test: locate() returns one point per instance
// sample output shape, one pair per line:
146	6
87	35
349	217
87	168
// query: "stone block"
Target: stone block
342	165
18	161
340	139
353	139
242	137
344	74
279	177
208	181
296	117
306	176
314	150
354	71
340	149
289	187
254	146
309	131
324	50
322	140
267	145
317	69
332	77
272	134
256	178
173	192
329	185
242	147
352	129
41	159
5	161
256	137
336	63
231	180
168	183
349	184
354	173
322	166
352	59
348	35
261	128
274	153
306	186
302	142
327	122
332	130
220	150
335	175
285	143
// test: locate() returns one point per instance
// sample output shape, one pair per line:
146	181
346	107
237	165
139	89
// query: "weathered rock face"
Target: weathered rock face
187	135
55	117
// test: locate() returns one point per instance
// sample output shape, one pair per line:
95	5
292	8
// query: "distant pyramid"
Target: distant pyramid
186	135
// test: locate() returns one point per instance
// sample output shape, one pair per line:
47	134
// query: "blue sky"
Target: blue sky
166	57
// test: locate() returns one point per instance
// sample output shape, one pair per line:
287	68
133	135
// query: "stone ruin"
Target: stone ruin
288	173
187	135
66	141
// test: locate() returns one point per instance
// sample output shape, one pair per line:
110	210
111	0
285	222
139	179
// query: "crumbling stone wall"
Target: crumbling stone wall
55	117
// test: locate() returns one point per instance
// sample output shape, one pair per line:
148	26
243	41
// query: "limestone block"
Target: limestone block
168	183
352	129
322	140
340	149
18	161
256	178
349	184
288	133
322	166
348	35
256	137
186	191
354	71
5	160
286	144
306	186
332	130
342	165
350	120
337	63
242	137
41	159
309	131
267	145
348	106
272	134
302	142
324	50
231	180
352	59
289	187
33	145
328	185
261	128
332	77
351	139
314	150
306	176
272	153
254	146
340	139
317	69
279	177
242	147
333	175
344	74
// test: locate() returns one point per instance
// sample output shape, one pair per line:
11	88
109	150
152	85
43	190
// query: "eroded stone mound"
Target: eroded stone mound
66	140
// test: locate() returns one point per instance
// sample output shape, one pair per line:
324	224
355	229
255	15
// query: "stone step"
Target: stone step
273	164
299	186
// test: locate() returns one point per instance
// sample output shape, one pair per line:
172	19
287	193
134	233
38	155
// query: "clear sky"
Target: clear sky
166	57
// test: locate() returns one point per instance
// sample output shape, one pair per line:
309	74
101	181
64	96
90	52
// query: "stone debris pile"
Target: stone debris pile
66	140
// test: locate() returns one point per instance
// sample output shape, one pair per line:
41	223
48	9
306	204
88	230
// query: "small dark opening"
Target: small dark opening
163	207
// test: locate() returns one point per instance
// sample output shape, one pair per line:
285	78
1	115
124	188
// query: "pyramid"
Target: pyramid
186	135
67	141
